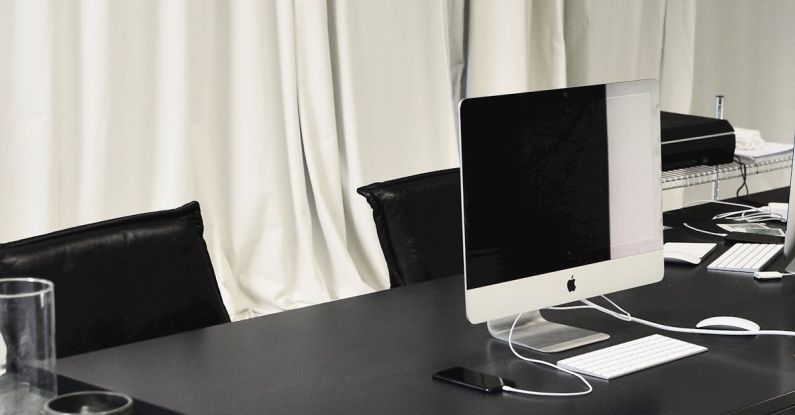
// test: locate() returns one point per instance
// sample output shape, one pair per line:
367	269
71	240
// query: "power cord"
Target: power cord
541	362
760	214
624	316
703	231
750	214
720	202
744	175
773	211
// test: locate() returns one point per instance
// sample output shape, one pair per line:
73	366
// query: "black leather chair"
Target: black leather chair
123	280
418	219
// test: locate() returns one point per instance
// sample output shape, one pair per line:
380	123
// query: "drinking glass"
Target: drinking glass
90	402
27	345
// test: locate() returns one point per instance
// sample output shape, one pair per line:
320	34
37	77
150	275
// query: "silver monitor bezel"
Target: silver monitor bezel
789	235
513	297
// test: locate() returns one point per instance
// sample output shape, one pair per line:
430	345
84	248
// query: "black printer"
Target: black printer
690	140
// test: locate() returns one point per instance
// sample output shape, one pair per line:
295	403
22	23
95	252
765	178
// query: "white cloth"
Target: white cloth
269	113
518	45
272	113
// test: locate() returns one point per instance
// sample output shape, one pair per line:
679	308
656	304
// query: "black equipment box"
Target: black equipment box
690	140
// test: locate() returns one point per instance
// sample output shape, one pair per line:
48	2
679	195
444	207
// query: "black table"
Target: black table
375	354
69	385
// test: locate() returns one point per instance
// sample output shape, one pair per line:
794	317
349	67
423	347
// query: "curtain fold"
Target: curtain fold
515	45
392	89
522	45
677	69
270	114
26	119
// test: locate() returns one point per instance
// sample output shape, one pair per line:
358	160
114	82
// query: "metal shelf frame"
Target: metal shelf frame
693	176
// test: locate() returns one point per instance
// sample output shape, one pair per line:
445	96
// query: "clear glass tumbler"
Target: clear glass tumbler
27	345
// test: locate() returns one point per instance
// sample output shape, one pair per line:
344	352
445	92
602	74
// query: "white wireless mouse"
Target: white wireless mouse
727	323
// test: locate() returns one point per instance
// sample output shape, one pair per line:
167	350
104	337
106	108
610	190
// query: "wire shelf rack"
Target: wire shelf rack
692	176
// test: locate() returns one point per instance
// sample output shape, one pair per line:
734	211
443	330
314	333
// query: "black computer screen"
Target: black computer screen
535	183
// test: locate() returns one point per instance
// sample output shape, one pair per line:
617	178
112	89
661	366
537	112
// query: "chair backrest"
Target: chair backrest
123	280
418	220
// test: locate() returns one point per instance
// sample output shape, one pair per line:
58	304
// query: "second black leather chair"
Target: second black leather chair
123	280
418	220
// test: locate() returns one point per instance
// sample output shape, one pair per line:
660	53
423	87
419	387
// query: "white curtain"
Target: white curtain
518	45
522	45
744	52
270	113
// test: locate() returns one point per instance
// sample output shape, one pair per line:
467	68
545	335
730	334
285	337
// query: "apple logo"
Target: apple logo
570	284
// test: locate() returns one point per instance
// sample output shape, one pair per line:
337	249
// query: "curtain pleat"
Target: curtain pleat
523	45
678	53
28	178
270	113
516	45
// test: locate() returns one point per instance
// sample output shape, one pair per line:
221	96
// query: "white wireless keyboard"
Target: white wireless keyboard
632	356
743	257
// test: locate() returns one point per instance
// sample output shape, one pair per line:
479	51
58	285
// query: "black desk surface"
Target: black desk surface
375	354
69	385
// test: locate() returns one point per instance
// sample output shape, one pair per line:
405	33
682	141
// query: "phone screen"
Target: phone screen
470	378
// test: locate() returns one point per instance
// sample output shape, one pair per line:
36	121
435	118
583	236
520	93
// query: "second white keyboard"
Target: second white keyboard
742	257
632	356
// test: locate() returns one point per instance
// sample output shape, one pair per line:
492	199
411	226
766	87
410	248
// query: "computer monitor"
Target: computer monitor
789	236
562	201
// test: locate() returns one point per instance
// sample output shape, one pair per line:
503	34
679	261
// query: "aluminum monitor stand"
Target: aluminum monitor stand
534	332
789	257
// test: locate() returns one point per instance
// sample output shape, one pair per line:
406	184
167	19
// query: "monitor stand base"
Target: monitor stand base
534	332
791	265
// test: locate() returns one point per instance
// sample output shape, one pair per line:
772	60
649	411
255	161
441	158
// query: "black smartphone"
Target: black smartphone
472	379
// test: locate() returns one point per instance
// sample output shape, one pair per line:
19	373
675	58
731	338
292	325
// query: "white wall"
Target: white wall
745	50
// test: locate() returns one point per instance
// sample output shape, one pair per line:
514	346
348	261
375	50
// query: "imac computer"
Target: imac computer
561	201
789	237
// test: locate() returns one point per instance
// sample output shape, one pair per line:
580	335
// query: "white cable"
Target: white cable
747	216
541	362
732	213
763	210
759	218
695	202
738	212
627	317
616	306
771	275
750	215
761	214
703	231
